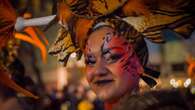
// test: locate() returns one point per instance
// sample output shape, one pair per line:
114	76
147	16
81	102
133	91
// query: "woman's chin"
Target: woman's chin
106	95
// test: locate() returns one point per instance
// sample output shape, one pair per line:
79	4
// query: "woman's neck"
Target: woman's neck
110	104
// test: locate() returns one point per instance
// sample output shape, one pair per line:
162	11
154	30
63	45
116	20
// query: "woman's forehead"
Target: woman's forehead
97	37
100	33
103	38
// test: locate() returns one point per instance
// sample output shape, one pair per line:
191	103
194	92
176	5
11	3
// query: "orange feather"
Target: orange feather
24	37
64	13
135	8
42	35
7	11
7	22
34	40
82	27
38	43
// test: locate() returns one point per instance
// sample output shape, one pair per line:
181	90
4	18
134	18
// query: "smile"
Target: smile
103	82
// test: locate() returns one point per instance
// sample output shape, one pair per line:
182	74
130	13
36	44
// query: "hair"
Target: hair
126	30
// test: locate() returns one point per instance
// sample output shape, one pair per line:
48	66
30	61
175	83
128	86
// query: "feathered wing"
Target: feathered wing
177	16
93	8
149	19
152	26
30	35
63	46
71	33
7	22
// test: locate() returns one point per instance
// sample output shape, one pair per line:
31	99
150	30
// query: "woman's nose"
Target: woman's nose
101	69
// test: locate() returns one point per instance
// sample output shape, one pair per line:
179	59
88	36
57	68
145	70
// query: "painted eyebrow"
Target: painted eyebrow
107	50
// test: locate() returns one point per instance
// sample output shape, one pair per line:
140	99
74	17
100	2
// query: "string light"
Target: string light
187	83
179	83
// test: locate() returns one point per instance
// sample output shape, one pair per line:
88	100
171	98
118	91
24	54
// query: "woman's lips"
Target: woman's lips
103	82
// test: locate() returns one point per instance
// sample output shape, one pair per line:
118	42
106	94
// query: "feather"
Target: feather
7	12
64	13
153	25
135	8
42	35
6	80
151	82
151	72
63	46
31	37
24	37
93	8
82	27
143	15
105	7
7	22
38	43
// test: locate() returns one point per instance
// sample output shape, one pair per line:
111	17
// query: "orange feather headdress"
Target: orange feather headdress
77	16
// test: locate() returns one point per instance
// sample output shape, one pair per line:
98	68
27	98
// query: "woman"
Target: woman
111	62
115	52
115	55
112	65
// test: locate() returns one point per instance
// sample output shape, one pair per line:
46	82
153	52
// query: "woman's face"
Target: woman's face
111	64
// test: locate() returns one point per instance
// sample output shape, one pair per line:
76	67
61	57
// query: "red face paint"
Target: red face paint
111	65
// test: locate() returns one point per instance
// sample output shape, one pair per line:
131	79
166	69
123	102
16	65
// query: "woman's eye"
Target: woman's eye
112	58
90	60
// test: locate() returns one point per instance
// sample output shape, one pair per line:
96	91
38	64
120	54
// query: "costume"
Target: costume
157	100
144	19
76	17
135	20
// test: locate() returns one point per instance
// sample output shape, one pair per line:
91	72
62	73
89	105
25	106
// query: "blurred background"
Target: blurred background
65	88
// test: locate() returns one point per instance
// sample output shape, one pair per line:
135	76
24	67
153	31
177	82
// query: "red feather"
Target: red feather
7	22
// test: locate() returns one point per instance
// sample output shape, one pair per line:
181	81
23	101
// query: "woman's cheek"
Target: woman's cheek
89	73
120	66
116	69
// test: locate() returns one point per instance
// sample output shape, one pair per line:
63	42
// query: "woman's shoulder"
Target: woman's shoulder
178	99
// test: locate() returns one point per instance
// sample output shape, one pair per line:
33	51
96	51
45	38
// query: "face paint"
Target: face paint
111	64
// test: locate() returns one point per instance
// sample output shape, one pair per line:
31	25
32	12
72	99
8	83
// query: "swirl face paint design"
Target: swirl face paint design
111	64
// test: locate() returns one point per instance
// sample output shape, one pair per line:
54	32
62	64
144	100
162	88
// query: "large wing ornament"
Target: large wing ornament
9	24
93	8
71	34
175	15
63	46
153	26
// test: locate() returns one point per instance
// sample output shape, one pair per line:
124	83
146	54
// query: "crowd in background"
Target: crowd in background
72	97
